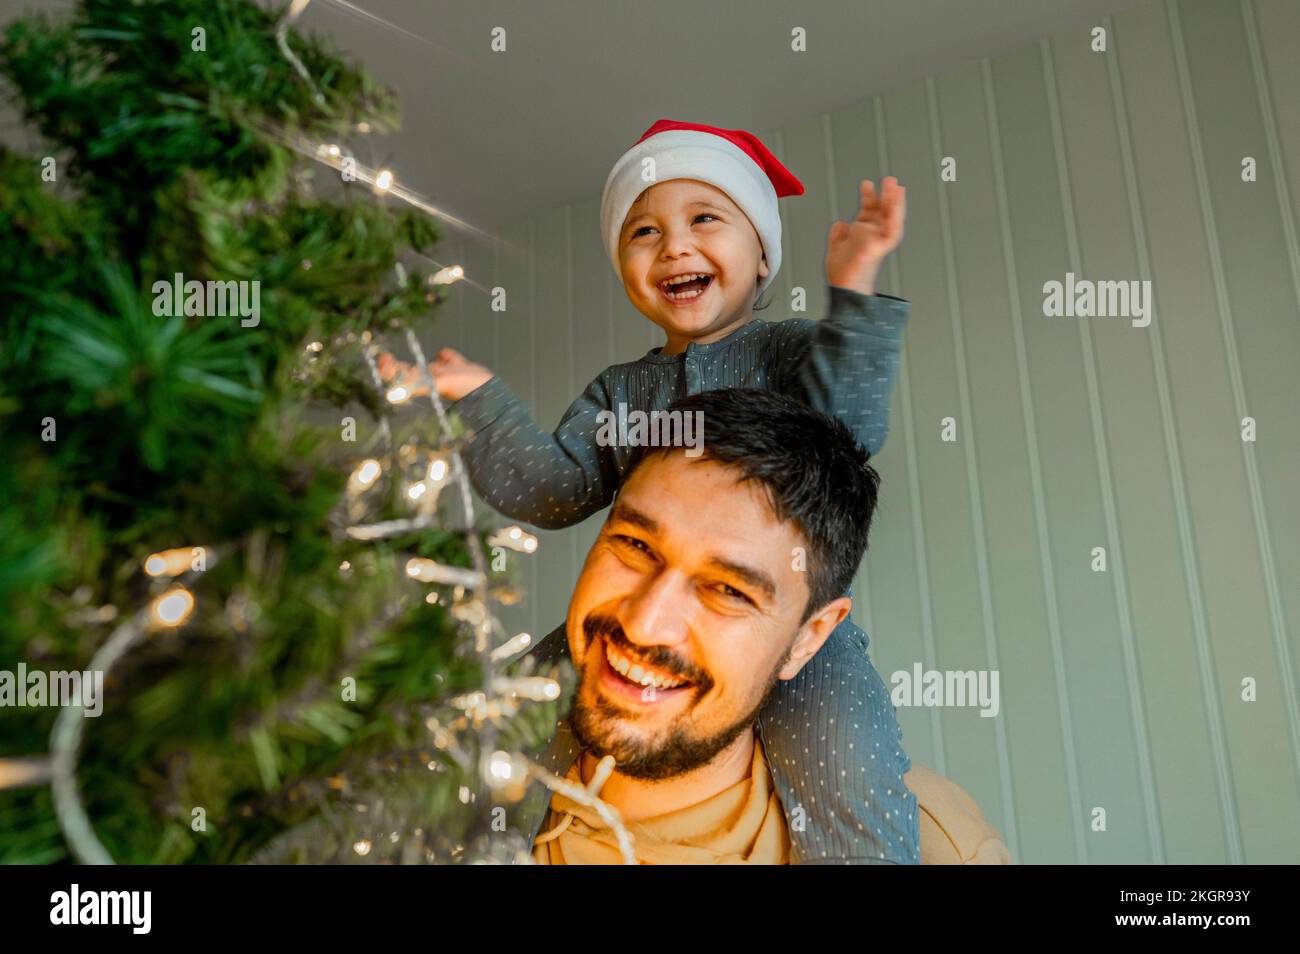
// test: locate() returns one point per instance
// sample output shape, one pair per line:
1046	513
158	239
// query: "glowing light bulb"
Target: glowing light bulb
176	561
397	395
501	766
366	473
384	181
437	471
332	149
173	607
418	490
445	276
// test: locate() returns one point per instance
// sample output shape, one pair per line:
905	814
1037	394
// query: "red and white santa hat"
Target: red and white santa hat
732	160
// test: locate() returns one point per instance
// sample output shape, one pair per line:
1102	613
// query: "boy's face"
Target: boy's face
686	226
691	579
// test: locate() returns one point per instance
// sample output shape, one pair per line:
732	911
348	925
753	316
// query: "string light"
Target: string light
364	476
430	571
438	472
515	538
512	648
447	275
176	561
536	688
172	608
384	181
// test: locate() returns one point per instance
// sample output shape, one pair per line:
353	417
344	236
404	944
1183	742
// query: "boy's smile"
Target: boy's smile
690	261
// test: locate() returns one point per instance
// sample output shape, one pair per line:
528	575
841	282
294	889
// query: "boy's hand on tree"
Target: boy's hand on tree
856	248
456	375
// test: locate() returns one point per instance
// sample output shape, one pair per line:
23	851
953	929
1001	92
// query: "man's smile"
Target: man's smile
635	681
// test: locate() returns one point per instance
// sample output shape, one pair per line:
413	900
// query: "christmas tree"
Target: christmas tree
209	499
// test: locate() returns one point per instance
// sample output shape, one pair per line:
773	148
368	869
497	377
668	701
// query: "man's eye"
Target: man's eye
632	542
732	593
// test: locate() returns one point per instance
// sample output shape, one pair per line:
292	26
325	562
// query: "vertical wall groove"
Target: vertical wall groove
573	387
1269	117
1234	367
1173	452
1035	472
1104	472
976	496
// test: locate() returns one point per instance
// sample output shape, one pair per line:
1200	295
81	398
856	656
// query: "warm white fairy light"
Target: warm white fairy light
447	275
536	688
512	647
398	395
438	472
501	766
384	181
173	607
430	571
364	475
417	490
172	562
514	538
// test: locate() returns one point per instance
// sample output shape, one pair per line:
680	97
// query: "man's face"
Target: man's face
692	581
683	226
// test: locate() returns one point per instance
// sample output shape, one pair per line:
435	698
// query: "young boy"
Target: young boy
692	227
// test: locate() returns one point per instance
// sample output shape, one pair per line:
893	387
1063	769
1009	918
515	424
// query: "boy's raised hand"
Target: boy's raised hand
856	248
456	375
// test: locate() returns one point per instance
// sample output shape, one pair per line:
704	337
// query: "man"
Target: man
714	578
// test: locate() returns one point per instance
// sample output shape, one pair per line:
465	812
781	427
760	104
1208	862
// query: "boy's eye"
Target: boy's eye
702	215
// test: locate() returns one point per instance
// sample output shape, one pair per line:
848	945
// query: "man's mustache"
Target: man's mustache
657	657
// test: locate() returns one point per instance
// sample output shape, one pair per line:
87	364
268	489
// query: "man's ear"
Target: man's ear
814	633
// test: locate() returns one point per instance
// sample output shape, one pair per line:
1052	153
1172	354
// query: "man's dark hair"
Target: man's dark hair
815	473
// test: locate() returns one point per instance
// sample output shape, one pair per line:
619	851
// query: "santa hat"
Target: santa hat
729	159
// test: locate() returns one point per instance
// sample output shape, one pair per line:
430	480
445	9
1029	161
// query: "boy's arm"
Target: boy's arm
549	480
845	364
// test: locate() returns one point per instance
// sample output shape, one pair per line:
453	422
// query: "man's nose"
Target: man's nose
655	615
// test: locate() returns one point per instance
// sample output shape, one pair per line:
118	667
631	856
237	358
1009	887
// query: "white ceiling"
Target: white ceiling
496	137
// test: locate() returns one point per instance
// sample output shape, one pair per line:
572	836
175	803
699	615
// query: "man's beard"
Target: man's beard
596	727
